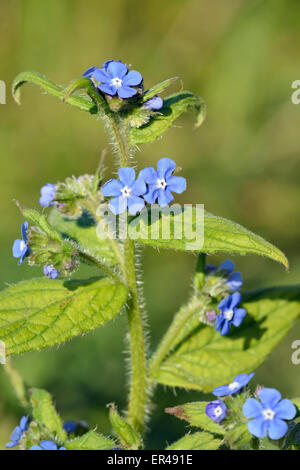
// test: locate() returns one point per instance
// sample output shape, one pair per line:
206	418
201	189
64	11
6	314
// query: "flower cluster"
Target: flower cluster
18	432
217	410
114	78
150	186
20	246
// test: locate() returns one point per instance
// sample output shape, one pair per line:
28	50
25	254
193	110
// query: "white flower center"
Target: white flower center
268	414
22	245
218	411
161	183
117	82
233	386
229	314
126	192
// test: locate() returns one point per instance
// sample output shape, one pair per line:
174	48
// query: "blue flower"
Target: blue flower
114	78
268	414
230	314
46	445
18	432
154	104
234	280
72	426
50	271
216	410
161	183
236	385
47	195
126	192
20	247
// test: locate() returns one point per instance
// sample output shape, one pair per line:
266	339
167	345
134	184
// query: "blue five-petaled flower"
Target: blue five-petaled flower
20	247
161	183
18	432
126	192
216	410
269	414
230	313
239	382
114	78
47	445
47	195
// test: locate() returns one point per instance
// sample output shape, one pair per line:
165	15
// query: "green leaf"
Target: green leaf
203	359
90	441
49	87
39	313
186	233
159	88
194	414
45	413
127	435
174	106
197	441
83	232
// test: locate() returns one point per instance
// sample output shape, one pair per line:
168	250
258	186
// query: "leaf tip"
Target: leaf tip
177	411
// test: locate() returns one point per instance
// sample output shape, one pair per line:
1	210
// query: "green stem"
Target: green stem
17	383
106	269
177	330
138	393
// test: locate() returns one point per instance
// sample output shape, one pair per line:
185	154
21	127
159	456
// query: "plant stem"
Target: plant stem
138	393
17	383
106	269
138	387
170	340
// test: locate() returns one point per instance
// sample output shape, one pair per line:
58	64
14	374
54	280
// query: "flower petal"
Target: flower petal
101	76
139	187
24	423
112	187
165	167
221	391
154	104
269	397
116	69
177	184
127	176
89	72
164	197
225	303
243	379
126	92
24	229
238	317
235	281
151	194
227	266
118	205
135	204
149	175
277	428
35	448
48	445
285	409
17	252
258	427
133	78
252	408
108	89
219	322
225	328
235	300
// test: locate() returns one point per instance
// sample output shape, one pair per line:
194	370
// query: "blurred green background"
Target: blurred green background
241	56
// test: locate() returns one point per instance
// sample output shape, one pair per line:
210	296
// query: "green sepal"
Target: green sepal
129	438
159	88
45	413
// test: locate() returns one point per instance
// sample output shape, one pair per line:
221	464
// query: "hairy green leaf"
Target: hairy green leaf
83	232
46	85
159	88
39	313
45	413
90	441
174	106
194	414
203	359
189	229
196	441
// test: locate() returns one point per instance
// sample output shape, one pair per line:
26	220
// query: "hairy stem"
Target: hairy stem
176	330
138	392
17	383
